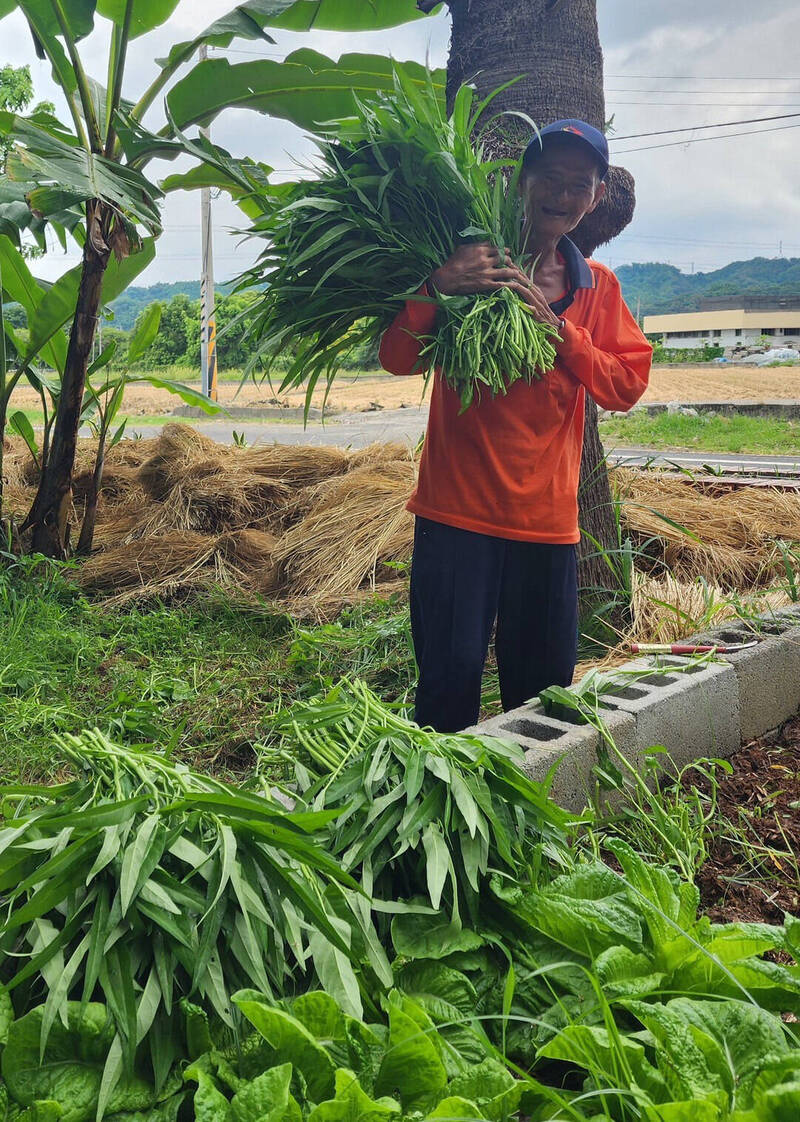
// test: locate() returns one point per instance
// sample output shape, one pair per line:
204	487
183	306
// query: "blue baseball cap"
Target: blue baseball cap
586	134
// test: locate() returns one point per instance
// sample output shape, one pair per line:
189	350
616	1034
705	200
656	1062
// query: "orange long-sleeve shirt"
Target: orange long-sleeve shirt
509	466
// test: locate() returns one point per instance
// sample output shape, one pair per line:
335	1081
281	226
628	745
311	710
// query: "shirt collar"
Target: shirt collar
580	275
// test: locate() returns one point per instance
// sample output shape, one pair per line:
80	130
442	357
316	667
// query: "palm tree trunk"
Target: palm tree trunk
49	515
555	46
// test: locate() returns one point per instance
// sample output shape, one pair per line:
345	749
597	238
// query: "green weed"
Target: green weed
735	433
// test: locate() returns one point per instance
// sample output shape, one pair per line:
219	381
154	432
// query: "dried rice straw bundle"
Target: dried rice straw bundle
723	544
297	465
117	520
17	499
118	483
381	453
250	554
666	609
19	470
352	528
213	498
132	452
176	450
148	565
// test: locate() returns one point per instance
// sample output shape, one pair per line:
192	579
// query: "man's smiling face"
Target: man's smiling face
559	187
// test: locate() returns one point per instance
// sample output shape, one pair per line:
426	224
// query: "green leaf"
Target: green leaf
185	393
292	1042
6	1014
306	88
456	1109
21	287
72	1068
145	331
69	176
411	1070
210	1105
345	15
246	21
146	14
320	1014
266	1098
692	1063
57	305
492	1087
437	862
417	936
439	989
353	1104
18	422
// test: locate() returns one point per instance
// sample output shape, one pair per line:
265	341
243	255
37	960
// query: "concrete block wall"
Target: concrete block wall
689	711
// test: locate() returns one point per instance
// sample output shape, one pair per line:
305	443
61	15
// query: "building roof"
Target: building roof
749	302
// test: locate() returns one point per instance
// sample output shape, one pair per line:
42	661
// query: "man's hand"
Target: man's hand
478	267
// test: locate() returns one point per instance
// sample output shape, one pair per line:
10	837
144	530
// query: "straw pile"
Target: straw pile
726	538
318	526
182	510
16	462
353	525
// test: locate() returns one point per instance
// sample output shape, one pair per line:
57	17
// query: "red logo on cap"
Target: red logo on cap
571	128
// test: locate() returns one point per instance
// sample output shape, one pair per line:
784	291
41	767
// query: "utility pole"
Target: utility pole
208	323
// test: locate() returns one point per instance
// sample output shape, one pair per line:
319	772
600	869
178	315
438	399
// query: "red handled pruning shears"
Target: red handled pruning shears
689	648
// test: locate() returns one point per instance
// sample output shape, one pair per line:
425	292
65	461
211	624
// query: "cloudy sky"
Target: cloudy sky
667	66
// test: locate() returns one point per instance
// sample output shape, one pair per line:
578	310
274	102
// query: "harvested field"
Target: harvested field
355	395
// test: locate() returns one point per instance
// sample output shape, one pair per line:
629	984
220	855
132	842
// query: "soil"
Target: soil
380	391
752	869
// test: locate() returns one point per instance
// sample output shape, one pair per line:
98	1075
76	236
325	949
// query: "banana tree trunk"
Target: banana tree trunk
49	515
555	46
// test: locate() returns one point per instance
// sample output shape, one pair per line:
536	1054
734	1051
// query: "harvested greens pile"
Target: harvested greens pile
401	186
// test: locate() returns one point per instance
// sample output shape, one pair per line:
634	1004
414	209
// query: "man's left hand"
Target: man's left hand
537	302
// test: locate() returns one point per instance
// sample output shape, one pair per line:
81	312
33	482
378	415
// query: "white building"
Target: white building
731	321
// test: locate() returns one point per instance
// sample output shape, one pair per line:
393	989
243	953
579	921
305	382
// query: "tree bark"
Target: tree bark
49	515
555	46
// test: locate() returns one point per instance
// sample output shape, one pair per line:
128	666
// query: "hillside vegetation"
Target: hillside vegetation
663	288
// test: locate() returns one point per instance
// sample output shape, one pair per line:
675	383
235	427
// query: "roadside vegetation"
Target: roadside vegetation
706	433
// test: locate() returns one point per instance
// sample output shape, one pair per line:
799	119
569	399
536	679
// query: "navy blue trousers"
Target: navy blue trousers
461	582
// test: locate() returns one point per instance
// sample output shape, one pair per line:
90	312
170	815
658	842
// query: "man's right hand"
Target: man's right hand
478	267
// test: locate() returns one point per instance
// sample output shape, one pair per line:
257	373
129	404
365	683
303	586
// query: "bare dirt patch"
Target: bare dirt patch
752	867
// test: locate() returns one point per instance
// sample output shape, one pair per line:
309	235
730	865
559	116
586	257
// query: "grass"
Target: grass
199	676
734	433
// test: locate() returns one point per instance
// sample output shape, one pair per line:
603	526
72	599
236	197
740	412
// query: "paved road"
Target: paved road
696	461
407	426
346	429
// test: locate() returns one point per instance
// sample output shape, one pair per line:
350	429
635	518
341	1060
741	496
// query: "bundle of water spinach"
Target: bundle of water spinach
400	186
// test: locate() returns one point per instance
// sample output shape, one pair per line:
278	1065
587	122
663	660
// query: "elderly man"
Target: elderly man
497	501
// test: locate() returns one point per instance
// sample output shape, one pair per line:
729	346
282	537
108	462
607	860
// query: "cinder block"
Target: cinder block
768	674
571	746
691	712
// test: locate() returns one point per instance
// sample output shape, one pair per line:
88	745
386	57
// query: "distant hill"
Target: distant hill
663	288
127	306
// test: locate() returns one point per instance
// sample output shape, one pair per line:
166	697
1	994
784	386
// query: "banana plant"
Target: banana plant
89	174
41	359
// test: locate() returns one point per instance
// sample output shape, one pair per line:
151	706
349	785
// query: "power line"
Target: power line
699	93
701	78
707	104
697	128
700	139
